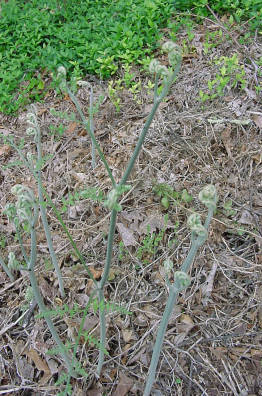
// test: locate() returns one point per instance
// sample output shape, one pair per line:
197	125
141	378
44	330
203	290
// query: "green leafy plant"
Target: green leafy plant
150	244
240	10
167	195
114	87
230	75
212	40
87	37
228	208
57	131
88	193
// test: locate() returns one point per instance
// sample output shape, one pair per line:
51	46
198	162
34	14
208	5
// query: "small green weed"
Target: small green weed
88	193
212	40
167	194
228	208
57	131
126	82
150	244
122	252
230	75
2	241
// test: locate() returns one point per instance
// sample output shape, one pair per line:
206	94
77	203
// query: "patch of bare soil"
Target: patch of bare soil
213	344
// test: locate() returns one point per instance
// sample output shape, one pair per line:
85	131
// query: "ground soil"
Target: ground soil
214	338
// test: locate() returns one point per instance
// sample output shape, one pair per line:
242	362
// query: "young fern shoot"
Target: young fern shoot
25	214
199	234
168	76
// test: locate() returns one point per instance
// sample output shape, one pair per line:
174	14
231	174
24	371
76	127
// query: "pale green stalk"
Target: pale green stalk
101	285
91	134
59	217
37	175
91	122
174	291
38	298
157	101
43	213
29	214
20	240
77	252
6	269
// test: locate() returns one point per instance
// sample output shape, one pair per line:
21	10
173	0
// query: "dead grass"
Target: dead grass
213	342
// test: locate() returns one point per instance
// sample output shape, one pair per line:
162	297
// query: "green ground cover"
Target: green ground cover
88	37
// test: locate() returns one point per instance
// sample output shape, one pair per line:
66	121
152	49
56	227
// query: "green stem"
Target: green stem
6	269
77	252
173	293
39	299
93	149
102	322
43	214
157	101
20	240
140	142
70	373
101	298
91	134
59	217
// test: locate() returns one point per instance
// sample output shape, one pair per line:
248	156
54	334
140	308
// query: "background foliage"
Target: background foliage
88	37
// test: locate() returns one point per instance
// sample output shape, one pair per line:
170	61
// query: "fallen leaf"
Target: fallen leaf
257	158
5	150
257	120
153	222
127	335
124	385
96	273
218	352
246	218
126	235
113	272
185	325
71	127
40	364
94	392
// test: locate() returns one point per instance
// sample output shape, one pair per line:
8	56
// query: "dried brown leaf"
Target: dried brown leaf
153	222
257	120
5	150
71	127
127	335
40	364
126	235
246	218
185	325
124	385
